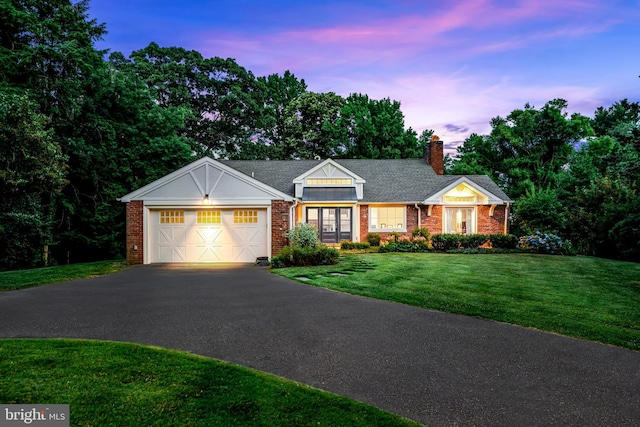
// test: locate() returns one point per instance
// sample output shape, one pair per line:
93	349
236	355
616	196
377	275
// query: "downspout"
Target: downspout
506	219
418	208
291	212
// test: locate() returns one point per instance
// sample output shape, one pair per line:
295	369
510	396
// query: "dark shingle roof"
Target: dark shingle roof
387	180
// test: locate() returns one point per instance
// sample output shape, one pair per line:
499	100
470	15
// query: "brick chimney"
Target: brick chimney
434	155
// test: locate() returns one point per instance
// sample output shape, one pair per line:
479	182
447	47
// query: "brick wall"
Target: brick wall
486	224
433	222
279	225
364	222
135	232
491	224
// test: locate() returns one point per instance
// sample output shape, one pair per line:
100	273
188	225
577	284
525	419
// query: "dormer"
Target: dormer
329	181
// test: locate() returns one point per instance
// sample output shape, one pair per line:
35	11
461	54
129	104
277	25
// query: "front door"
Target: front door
333	224
459	220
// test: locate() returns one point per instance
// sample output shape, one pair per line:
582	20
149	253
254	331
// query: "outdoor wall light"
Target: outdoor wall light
206	200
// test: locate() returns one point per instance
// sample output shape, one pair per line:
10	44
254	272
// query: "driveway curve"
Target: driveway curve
436	368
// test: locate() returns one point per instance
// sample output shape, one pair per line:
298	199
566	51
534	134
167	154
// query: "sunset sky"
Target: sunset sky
453	65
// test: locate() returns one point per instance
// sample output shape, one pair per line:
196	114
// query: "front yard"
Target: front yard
583	297
119	384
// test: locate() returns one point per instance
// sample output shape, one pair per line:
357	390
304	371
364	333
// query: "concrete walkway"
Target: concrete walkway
436	368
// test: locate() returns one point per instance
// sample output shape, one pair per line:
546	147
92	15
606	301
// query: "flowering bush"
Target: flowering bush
546	243
303	235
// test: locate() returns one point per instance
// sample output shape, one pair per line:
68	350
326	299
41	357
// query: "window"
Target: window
245	217
329	181
208	217
171	217
391	218
312	218
458	199
459	220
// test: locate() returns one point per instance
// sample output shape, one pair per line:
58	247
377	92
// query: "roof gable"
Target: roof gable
328	169
205	177
466	186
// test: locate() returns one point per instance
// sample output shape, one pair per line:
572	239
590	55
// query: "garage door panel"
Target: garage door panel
209	254
243	254
172	235
208	244
208	235
172	244
245	234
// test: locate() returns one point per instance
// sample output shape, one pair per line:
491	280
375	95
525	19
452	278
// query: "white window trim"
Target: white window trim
389	229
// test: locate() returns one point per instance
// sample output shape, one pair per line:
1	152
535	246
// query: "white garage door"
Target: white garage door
228	235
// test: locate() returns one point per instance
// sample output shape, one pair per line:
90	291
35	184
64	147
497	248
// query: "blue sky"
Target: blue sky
453	65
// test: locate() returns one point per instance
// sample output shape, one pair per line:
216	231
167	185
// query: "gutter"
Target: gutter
418	208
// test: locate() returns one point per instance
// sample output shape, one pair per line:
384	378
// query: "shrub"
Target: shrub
347	244
303	235
472	241
406	246
503	241
546	243
445	242
373	239
278	262
421	232
296	256
393	235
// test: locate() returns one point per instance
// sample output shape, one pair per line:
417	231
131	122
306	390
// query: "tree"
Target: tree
374	129
278	92
600	188
46	57
539	210
476	156
218	95
33	168
47	47
528	146
126	140
309	122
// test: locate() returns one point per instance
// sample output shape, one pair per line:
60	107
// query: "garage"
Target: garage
208	235
205	212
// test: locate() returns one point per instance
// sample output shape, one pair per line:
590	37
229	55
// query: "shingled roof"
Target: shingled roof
387	180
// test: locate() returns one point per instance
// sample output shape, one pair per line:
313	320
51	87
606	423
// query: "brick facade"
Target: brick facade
433	222
491	224
279	225
486	224
135	232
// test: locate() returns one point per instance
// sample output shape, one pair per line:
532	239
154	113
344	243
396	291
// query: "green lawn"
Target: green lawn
18	279
583	297
117	384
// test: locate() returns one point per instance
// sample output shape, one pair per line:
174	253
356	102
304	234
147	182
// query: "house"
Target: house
236	211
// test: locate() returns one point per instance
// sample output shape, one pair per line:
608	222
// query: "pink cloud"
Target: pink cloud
386	41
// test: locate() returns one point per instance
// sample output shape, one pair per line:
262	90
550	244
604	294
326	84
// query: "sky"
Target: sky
453	65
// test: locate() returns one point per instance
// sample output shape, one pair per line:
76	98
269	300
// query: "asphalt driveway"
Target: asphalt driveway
436	368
